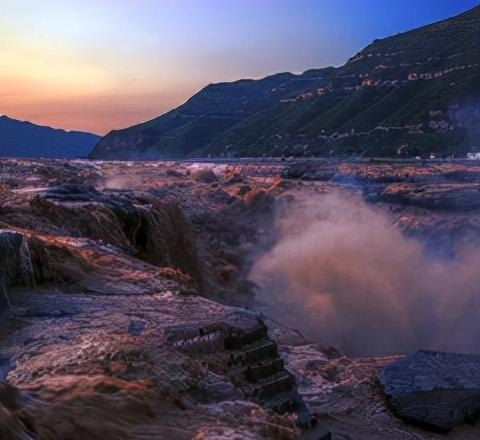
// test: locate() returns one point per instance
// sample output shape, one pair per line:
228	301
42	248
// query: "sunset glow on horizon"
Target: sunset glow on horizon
106	64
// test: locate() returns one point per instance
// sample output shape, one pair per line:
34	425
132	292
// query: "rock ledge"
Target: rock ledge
434	390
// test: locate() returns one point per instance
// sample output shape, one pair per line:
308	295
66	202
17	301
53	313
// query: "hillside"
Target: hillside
414	93
203	117
24	139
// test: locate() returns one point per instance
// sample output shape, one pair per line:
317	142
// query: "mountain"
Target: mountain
24	139
414	93
213	110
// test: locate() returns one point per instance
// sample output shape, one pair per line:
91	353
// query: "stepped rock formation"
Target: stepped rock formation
238	346
410	94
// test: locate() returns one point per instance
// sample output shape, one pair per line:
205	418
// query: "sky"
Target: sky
98	65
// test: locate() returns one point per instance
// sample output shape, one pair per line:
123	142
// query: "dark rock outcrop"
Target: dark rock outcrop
13	257
15	263
6	364
434	390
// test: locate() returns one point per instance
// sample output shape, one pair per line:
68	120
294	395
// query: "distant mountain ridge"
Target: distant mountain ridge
414	93
24	139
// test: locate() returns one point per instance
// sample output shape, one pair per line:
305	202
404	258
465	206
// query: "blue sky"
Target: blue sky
104	64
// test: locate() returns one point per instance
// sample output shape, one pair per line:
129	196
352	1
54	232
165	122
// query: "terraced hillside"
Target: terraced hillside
414	93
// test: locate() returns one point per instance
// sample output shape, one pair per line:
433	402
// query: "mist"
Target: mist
344	275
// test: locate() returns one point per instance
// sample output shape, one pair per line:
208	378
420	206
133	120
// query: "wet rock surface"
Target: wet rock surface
127	255
112	255
433	389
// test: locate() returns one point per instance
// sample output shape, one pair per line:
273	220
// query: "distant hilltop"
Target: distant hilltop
411	94
24	139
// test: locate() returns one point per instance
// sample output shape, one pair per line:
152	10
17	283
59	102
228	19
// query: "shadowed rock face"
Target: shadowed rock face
433	389
12	268
11	426
10	245
15	263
